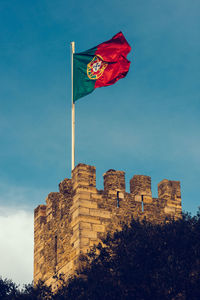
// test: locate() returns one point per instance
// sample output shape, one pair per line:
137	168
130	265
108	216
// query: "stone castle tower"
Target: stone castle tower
76	217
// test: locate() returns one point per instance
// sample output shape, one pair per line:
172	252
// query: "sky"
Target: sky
147	123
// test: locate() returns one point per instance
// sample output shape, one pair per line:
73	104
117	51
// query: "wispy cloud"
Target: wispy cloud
16	250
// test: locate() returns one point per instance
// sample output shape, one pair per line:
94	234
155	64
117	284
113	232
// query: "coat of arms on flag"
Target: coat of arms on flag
96	67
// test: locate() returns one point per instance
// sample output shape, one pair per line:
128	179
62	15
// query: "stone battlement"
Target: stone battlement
76	217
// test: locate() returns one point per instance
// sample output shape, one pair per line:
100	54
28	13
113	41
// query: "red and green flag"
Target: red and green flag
100	66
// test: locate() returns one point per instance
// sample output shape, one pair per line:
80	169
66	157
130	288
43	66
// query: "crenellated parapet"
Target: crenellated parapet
140	185
114	181
79	215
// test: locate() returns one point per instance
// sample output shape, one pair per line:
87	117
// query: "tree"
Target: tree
144	261
8	289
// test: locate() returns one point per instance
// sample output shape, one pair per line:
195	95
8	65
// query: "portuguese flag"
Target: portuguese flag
100	66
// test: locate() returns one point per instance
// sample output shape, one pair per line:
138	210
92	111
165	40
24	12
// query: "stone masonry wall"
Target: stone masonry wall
75	218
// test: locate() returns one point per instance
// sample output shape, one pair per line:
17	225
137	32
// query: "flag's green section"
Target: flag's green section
82	85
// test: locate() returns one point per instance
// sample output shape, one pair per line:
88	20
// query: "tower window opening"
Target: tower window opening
142	197
117	198
55	249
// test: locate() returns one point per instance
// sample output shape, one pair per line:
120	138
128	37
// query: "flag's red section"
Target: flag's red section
114	53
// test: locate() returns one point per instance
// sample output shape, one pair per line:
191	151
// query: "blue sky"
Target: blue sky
147	123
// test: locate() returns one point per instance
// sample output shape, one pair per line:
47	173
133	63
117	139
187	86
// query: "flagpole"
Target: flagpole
73	107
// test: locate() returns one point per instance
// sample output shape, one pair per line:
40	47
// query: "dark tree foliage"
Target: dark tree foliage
143	261
8	289
39	292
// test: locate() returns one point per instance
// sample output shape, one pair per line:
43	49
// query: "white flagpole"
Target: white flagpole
73	107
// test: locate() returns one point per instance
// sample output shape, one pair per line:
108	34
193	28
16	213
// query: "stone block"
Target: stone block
98	228
100	213
88	219
89	204
121	195
84	203
94	242
80	211
76	244
147	199
84	195
88	234
76	227
84	225
75	236
84	241
138	198
89	189
169	210
95	196
75	213
84	210
79	184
